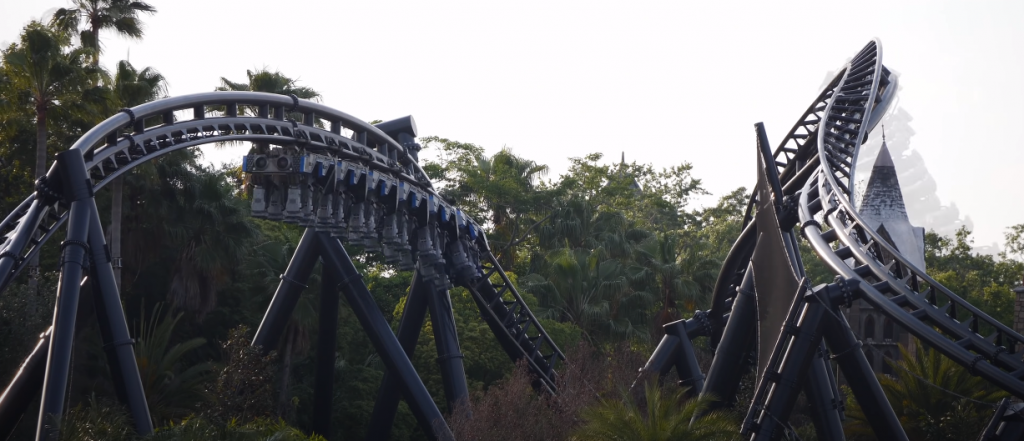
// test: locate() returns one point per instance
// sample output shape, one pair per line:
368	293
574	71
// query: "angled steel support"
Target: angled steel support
293	281
661	361
449	354
383	339
846	350
676	350
685	361
326	345
24	387
77	192
117	342
824	403
409	328
732	358
1006	424
782	379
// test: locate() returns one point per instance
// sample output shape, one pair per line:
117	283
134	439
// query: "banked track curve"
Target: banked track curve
382	198
819	191
889	282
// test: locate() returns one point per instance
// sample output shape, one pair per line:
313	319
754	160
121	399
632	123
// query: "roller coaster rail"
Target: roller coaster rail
349	182
342	179
808	180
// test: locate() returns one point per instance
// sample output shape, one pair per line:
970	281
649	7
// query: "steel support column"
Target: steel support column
383	339
409	328
326	347
685	360
24	387
863	382
731	357
293	281
78	192
783	376
449	353
117	342
661	361
823	405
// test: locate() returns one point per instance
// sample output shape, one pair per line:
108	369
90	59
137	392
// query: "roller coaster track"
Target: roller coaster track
815	164
381	197
796	159
890	283
356	183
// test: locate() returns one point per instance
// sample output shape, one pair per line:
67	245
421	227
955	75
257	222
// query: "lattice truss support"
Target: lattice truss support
764	316
345	181
350	182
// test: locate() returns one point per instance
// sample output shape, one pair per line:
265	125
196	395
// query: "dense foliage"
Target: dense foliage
604	254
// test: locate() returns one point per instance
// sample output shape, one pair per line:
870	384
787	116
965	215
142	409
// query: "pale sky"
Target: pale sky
666	82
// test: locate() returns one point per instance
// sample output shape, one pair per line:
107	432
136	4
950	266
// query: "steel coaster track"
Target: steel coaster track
890	283
357	152
796	159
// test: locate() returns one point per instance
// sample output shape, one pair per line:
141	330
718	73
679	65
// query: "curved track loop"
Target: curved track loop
124	141
797	159
906	294
357	150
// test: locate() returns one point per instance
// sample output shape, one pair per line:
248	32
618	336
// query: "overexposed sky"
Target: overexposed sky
666	82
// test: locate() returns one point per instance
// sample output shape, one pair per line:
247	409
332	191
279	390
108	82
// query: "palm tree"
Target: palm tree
133	88
664	418
264	80
56	80
296	338
213	230
122	16
171	389
130	88
591	290
184	216
679	272
268	261
506	184
578	223
934	398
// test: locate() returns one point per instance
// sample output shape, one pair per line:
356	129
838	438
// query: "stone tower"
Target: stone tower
883	210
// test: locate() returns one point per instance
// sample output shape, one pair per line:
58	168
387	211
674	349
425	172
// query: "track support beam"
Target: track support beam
326	345
449	354
117	342
293	281
733	354
382	338
78	192
409	328
863	382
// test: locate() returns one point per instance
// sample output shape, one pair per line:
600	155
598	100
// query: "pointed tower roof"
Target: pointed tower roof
883	209
884	158
883	198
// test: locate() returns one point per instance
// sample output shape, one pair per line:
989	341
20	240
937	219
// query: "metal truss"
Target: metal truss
809	185
350	182
341	178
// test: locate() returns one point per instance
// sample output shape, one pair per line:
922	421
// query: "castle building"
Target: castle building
883	210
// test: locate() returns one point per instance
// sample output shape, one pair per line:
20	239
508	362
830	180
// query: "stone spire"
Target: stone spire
883	209
883	198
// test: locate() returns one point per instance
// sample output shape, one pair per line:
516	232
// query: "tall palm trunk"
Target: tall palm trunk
41	135
117	189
